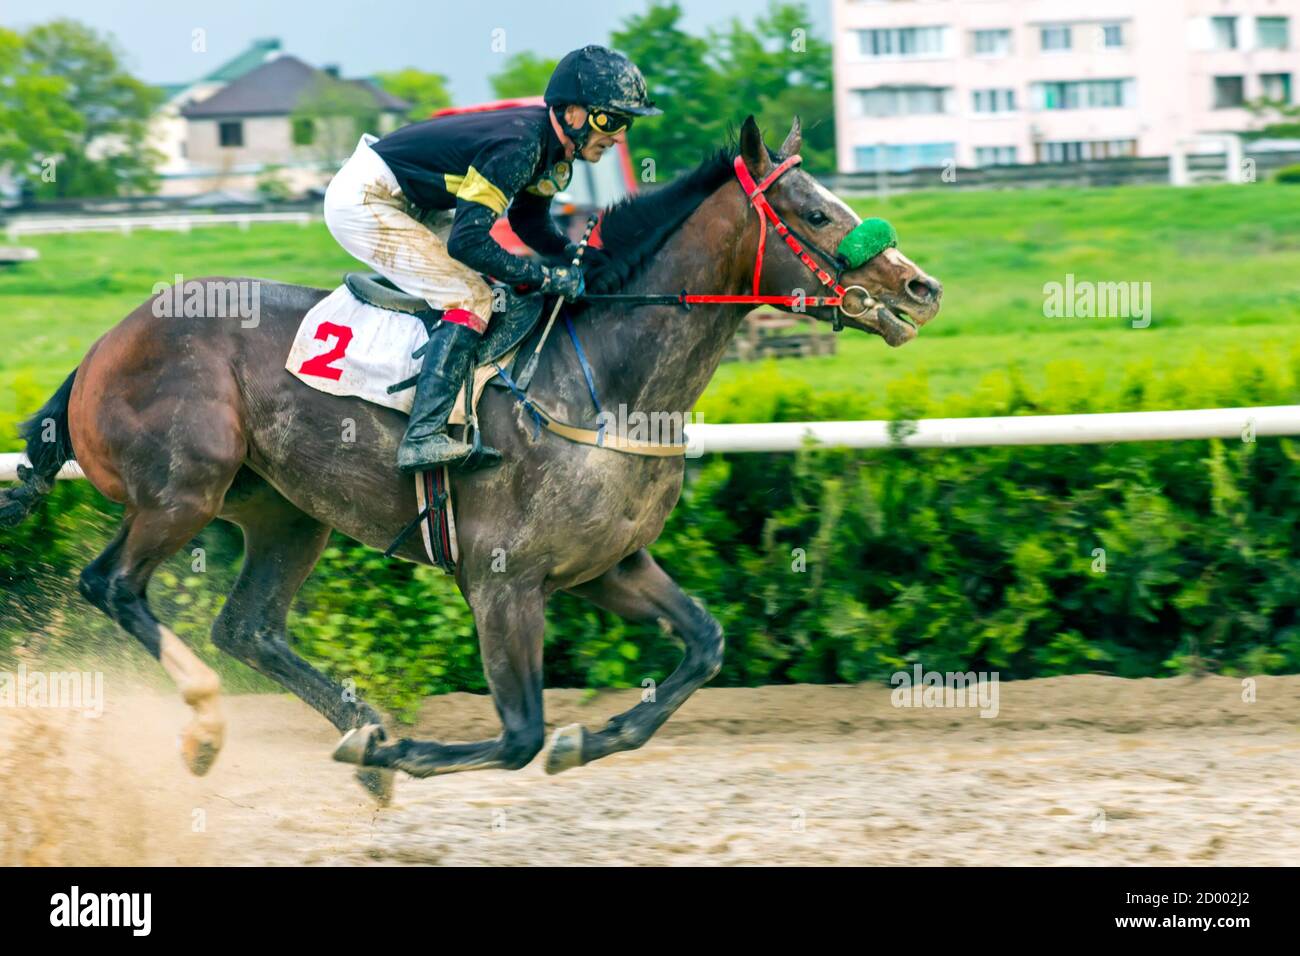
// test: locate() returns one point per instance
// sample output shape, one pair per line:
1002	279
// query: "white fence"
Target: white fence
1011	430
1238	423
126	224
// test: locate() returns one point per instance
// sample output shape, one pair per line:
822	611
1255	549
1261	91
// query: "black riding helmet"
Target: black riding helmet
596	77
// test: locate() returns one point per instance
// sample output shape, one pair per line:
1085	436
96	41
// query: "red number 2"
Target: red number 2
320	365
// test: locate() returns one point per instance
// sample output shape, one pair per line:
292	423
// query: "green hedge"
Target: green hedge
1288	174
958	558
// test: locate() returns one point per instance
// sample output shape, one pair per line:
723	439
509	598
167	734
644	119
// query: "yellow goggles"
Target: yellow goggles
608	122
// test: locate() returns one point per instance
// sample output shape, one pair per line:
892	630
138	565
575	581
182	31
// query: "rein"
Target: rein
755	193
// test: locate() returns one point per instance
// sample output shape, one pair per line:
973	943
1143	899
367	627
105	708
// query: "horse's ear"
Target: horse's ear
794	141
752	148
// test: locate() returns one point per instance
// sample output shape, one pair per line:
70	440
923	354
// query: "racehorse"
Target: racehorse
184	421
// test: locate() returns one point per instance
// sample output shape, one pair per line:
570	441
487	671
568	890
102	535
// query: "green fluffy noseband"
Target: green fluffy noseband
868	239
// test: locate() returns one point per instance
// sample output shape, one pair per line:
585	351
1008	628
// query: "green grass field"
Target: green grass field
1223	263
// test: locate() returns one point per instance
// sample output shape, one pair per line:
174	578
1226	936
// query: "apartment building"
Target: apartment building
921	83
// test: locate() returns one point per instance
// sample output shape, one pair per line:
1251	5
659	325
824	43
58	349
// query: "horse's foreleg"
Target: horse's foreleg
638	589
510	622
281	546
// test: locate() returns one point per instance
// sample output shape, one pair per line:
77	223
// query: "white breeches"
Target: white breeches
368	215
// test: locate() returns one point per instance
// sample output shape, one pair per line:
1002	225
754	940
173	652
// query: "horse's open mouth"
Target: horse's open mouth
901	315
895	326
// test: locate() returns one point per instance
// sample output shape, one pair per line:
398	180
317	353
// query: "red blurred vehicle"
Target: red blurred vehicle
592	188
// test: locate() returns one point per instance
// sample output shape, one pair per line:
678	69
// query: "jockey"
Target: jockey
417	207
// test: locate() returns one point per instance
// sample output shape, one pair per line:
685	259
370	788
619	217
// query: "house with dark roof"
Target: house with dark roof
263	113
168	128
286	113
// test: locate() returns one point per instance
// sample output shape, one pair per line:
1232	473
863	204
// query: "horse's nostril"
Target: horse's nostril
922	290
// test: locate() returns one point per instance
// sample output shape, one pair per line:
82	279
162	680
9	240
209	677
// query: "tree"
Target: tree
524	74
331	116
707	86
36	120
78	123
779	70
683	83
426	92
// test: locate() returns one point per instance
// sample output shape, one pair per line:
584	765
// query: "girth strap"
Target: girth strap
586	436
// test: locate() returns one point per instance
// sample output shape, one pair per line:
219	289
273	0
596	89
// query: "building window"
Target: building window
1276	87
1112	36
304	131
904	157
1083	95
992	42
903	101
995	155
1081	151
1055	38
1229	92
1273	33
995	101
231	133
1223	33
903	42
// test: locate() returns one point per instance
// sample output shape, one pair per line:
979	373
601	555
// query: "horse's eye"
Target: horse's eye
818	218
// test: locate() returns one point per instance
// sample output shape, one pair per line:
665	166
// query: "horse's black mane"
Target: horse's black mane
634	229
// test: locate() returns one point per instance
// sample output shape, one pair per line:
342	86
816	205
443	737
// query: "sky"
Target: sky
363	38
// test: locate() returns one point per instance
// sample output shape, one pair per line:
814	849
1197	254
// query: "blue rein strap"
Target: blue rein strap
538	418
591	382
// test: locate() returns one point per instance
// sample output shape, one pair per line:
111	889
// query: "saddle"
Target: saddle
505	330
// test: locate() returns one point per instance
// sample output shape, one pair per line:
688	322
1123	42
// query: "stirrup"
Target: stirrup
480	455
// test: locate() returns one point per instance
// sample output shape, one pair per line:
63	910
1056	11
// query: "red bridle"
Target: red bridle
755	192
766	213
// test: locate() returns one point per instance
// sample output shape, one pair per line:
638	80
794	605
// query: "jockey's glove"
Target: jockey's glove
564	280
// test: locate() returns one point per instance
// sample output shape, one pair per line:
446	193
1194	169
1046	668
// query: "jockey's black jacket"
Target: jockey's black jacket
478	164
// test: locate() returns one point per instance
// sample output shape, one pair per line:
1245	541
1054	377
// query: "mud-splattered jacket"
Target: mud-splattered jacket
478	164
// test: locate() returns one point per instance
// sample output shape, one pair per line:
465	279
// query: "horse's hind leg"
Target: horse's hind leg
510	624
639	590
116	583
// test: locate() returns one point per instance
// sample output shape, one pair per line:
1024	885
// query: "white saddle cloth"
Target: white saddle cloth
347	347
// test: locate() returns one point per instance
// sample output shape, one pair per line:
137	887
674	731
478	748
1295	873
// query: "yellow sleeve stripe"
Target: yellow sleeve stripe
452	182
476	188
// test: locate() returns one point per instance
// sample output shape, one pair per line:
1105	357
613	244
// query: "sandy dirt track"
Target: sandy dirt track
1076	770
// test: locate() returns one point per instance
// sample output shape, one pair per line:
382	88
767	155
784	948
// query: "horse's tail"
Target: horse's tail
49	445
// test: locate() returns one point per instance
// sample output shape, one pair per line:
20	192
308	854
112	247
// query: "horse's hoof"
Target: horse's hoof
378	782
566	749
199	749
358	744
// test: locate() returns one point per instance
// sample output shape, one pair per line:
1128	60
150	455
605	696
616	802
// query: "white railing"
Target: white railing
1238	423
125	224
1010	430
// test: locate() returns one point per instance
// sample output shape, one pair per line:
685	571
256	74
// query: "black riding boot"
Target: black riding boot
442	378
